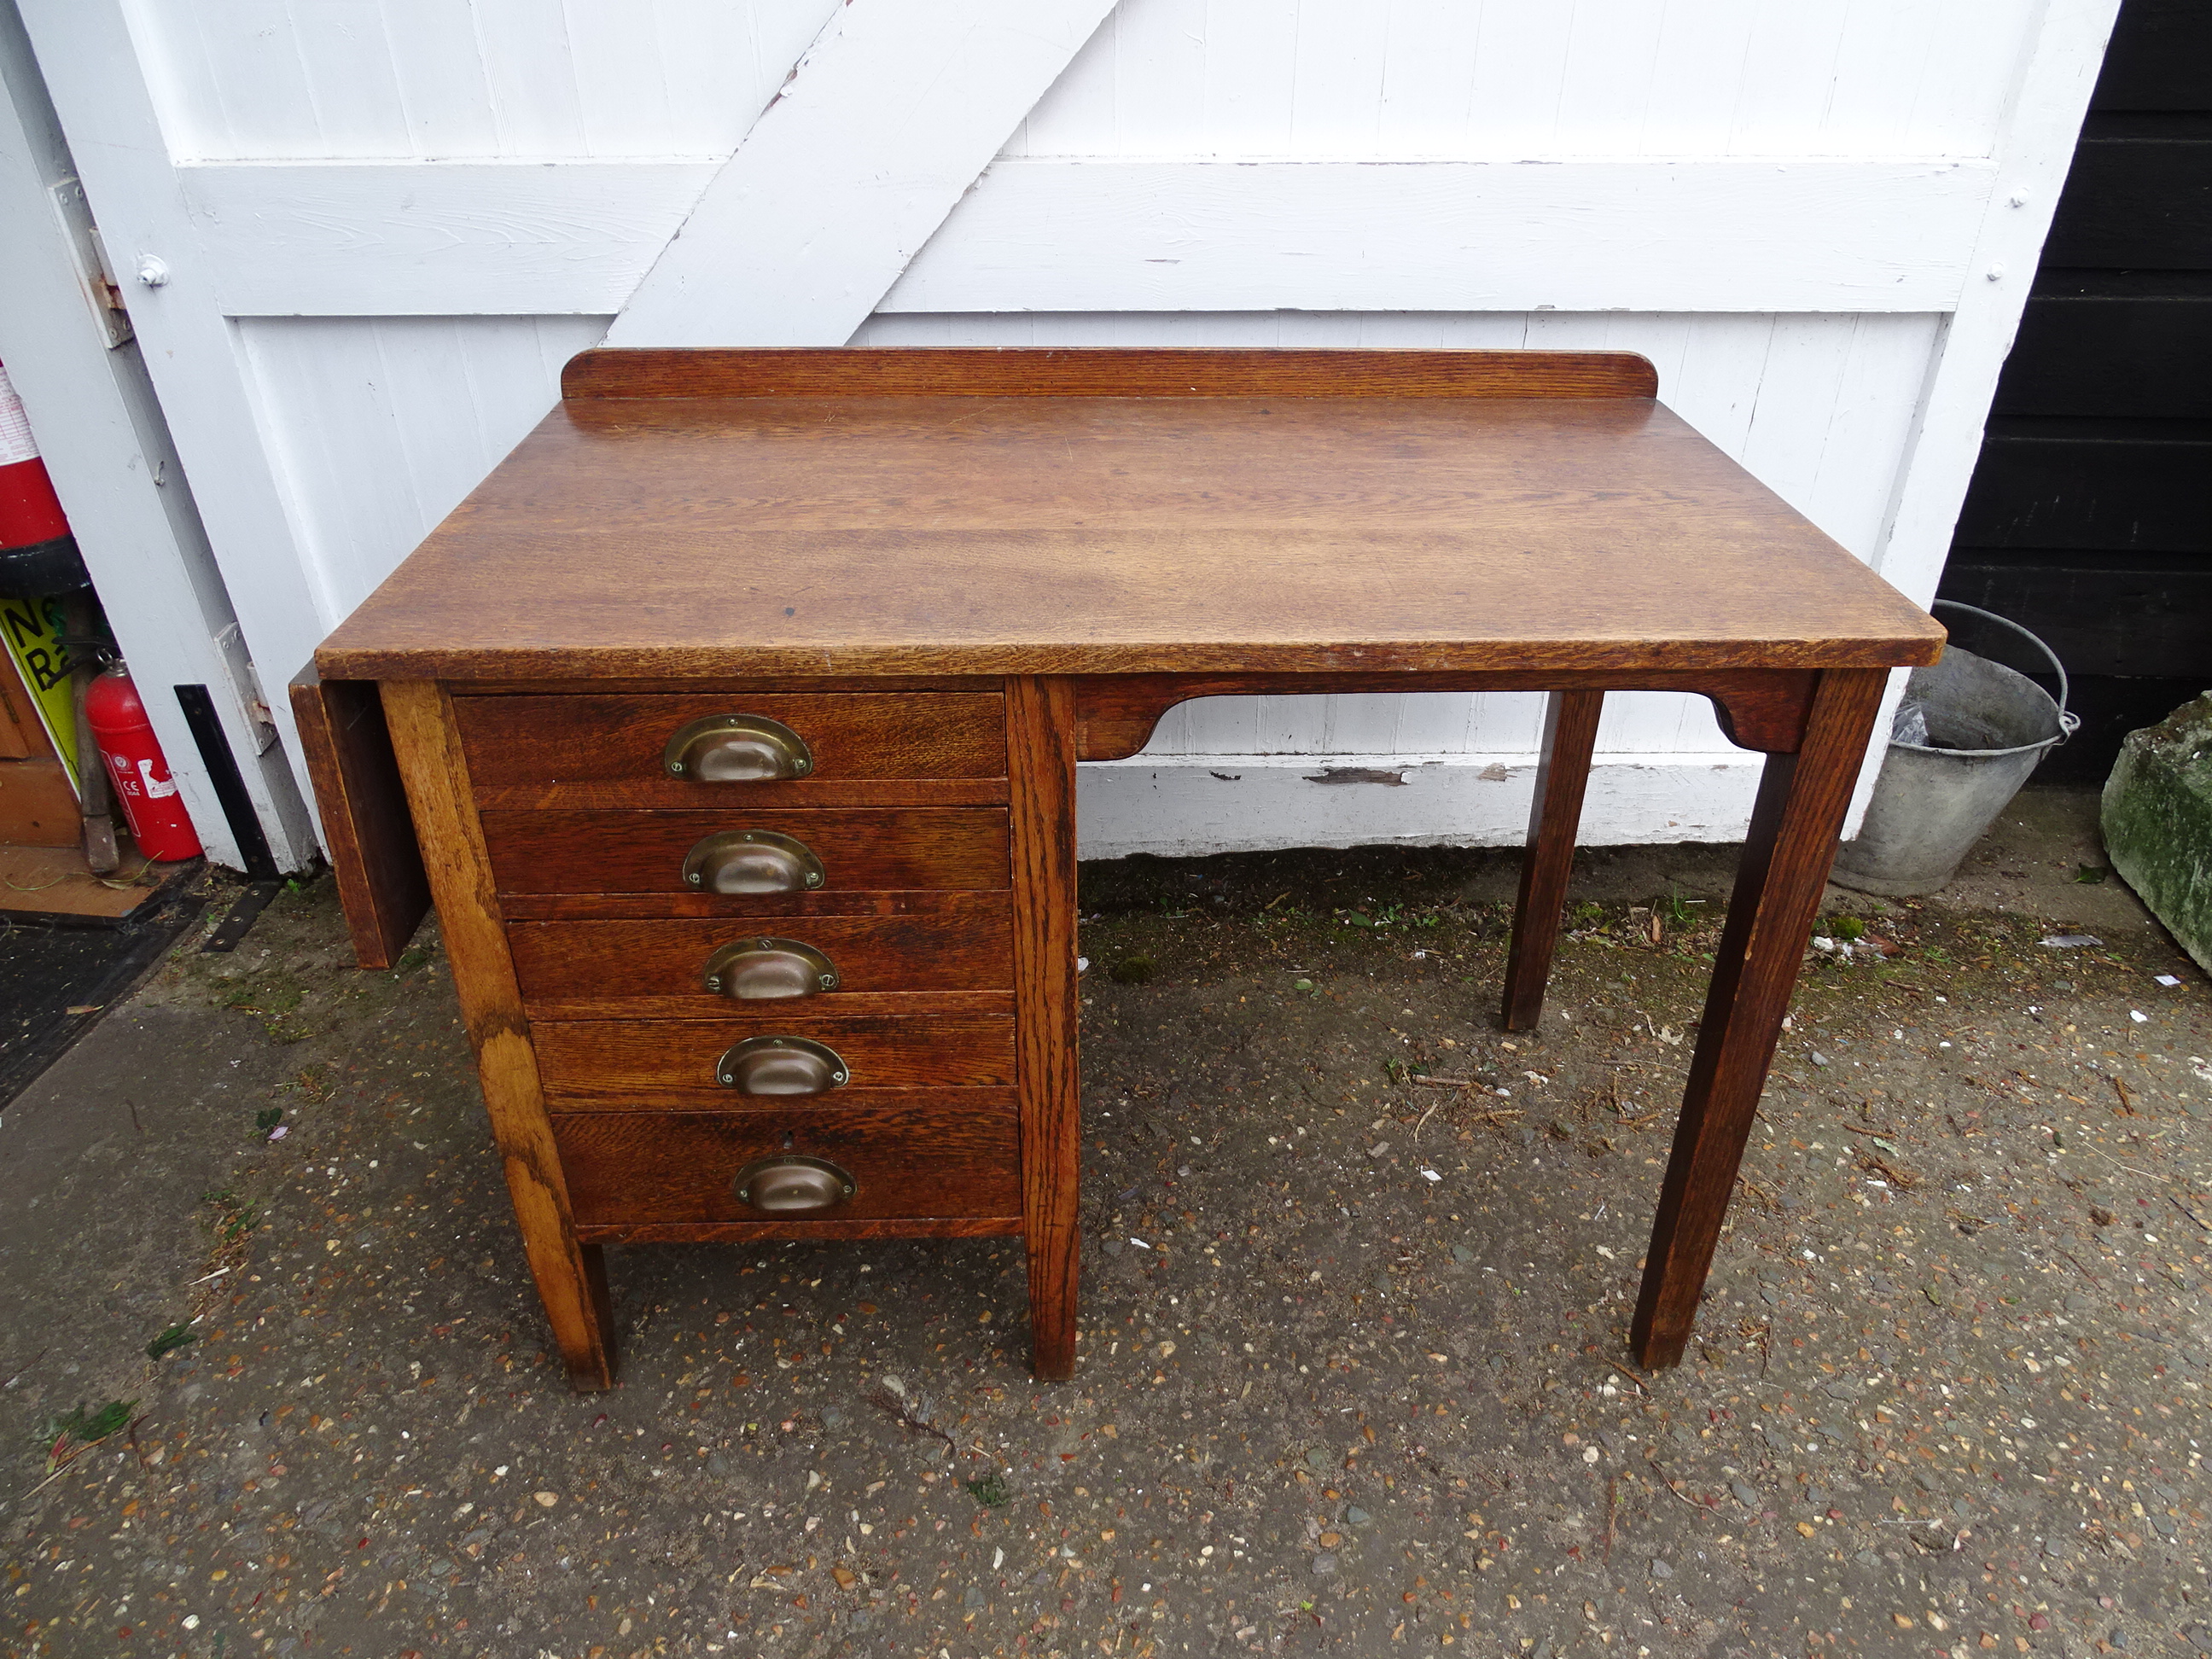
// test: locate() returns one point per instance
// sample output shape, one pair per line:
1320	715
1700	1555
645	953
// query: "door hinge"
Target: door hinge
246	689
83	237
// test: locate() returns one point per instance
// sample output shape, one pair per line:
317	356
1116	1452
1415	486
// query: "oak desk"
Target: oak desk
735	715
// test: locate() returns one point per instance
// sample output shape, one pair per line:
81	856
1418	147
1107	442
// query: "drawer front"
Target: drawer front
856	850
597	969
618	1065
613	751
930	1157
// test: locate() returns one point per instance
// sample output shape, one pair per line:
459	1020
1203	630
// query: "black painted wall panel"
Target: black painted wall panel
2089	518
2120	490
2131	357
2101	616
2159	57
2138	202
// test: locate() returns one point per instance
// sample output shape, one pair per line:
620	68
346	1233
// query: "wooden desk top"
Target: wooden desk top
789	513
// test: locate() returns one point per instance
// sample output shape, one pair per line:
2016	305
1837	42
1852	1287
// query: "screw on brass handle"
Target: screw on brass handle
793	1185
769	970
752	861
781	1066
737	749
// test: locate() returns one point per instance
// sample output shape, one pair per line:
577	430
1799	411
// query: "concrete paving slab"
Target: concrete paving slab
1351	1378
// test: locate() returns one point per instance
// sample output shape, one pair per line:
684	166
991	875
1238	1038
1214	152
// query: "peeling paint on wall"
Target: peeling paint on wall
1355	775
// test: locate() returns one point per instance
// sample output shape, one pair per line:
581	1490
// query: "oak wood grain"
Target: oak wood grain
571	1276
659	538
743	911
656	970
668	794
745	1232
367	832
606	750
1758	708
669	1063
735	686
1041	755
1779	884
930	1157
1081	540
1571	720
963	848
560	1103
1115	372
920	1006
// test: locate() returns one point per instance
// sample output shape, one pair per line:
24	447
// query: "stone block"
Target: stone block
2158	823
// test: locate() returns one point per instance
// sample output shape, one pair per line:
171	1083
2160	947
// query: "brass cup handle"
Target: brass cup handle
737	749
781	1066
752	861
769	970
793	1185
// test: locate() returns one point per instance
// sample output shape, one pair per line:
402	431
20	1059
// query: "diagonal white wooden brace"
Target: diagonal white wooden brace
884	125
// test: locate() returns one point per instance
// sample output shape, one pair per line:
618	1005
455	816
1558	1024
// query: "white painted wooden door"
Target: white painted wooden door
84	386
371	233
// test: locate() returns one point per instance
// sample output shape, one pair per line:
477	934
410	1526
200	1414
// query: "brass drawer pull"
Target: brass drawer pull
781	1066
737	749
769	970
793	1185
752	861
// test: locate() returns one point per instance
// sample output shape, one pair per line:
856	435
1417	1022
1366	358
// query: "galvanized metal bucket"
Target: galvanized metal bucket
1986	727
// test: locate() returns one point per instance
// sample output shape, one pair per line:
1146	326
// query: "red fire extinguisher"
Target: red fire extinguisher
136	769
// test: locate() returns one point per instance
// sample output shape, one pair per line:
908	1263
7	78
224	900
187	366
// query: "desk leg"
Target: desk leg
1779	886
1562	775
571	1276
1041	772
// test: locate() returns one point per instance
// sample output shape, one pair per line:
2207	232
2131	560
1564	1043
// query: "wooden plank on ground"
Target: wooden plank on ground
53	881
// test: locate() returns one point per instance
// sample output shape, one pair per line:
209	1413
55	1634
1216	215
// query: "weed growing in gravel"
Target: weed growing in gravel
65	1436
170	1341
990	1490
234	1219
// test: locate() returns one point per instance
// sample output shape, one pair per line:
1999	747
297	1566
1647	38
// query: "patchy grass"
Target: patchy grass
169	1341
235	1218
274	998
67	1436
989	1490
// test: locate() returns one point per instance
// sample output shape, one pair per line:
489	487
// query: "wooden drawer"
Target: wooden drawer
880	850
929	1158
657	969
607	750
614	1065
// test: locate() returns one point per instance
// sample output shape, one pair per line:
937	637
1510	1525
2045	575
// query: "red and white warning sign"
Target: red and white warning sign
29	514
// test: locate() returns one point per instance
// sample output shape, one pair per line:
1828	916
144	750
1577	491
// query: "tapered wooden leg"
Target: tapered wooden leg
1562	776
1786	856
1040	809
572	1280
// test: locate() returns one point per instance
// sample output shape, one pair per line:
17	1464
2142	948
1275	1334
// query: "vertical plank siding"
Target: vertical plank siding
346	437
1424	78
382	424
447	79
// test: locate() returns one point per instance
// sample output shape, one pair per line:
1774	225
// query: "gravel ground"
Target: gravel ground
1352	1379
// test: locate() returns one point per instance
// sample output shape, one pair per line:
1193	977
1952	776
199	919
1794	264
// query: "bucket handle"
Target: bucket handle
2068	723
